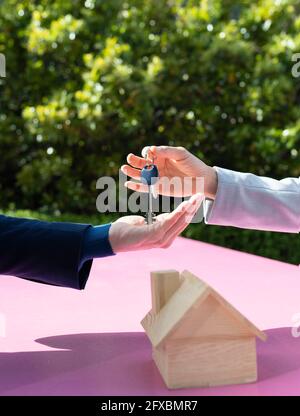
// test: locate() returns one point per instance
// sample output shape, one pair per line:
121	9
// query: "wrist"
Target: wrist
96	243
210	183
113	237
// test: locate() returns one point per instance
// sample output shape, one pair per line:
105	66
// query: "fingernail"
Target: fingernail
145	151
197	200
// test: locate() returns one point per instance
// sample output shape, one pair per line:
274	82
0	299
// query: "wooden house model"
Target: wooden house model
198	339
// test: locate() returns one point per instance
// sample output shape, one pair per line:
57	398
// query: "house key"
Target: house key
150	176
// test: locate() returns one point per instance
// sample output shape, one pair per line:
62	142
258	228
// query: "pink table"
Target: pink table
62	341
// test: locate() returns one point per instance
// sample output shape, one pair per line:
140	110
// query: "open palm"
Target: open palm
131	233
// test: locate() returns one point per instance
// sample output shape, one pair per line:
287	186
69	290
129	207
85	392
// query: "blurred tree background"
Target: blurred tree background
90	81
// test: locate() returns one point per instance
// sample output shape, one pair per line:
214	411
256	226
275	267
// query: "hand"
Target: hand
132	233
172	162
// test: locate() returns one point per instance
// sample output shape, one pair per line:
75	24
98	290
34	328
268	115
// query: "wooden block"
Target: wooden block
163	285
194	364
209	319
158	326
229	308
161	360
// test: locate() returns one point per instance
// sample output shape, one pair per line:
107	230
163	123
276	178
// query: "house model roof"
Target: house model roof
191	293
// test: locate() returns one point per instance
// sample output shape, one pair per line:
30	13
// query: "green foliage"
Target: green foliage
89	81
278	246
95	219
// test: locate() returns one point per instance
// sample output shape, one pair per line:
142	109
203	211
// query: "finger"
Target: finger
162	217
180	226
175	231
137	186
185	208
166	223
191	211
183	221
188	211
148	152
143	187
164	240
145	151
132	172
169	152
136	161
169	225
158	229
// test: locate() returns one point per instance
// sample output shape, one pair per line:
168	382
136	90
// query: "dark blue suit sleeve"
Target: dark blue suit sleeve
48	252
96	243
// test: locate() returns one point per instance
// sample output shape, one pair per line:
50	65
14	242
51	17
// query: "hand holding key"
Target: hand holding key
172	162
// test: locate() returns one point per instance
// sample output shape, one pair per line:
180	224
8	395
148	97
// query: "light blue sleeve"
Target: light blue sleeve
245	200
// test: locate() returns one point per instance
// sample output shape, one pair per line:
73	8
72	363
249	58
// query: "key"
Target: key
150	176
145	152
150	215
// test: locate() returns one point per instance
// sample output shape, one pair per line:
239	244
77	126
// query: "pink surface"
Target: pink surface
63	341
